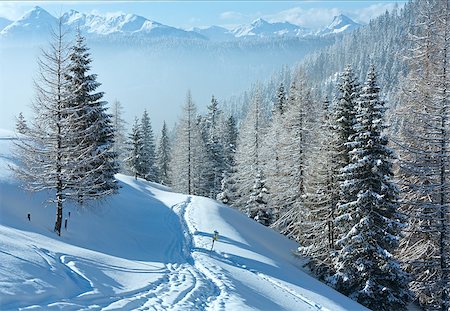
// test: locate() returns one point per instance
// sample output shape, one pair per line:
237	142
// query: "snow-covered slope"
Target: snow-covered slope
340	24
146	248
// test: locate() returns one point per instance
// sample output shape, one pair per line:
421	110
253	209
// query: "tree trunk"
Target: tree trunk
59	210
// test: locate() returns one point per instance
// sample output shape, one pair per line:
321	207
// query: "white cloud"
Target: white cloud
366	14
13	10
314	17
232	15
318	17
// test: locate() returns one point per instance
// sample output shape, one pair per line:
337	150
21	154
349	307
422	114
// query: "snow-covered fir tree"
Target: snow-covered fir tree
135	146
370	223
425	159
228	183
189	161
163	157
148	157
93	139
256	206
21	124
214	147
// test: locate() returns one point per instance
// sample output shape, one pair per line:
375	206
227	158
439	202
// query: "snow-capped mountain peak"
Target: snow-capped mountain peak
263	28
340	24
35	22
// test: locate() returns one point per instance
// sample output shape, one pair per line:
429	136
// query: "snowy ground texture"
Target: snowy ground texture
146	249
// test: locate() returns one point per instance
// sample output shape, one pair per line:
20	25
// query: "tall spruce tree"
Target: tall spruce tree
214	147
135	146
21	124
163	157
93	139
370	223
228	183
148	157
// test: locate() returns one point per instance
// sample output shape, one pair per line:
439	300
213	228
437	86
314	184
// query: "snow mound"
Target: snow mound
146	248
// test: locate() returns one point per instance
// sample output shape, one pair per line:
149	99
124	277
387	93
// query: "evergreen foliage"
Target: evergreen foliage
370	223
148	157
163	157
21	124
135	146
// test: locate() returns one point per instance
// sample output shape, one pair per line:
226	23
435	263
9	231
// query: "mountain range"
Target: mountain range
37	22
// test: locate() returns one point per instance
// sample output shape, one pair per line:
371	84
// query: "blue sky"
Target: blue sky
186	14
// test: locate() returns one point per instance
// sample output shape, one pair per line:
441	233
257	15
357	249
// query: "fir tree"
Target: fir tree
228	184
148	156
214	147
163	157
94	135
256	207
370	224
135	146
21	124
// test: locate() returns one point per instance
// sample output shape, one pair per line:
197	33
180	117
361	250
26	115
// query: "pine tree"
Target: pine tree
370	224
135	146
148	157
21	124
163	157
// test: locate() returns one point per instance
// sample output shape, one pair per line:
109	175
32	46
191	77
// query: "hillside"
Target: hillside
146	248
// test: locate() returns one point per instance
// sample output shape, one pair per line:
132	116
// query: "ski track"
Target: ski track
297	297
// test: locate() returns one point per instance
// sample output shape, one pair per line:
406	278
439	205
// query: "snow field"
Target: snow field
146	249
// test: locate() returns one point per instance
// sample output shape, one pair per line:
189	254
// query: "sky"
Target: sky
188	14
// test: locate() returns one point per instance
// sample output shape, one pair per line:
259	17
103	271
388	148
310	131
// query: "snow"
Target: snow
146	248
